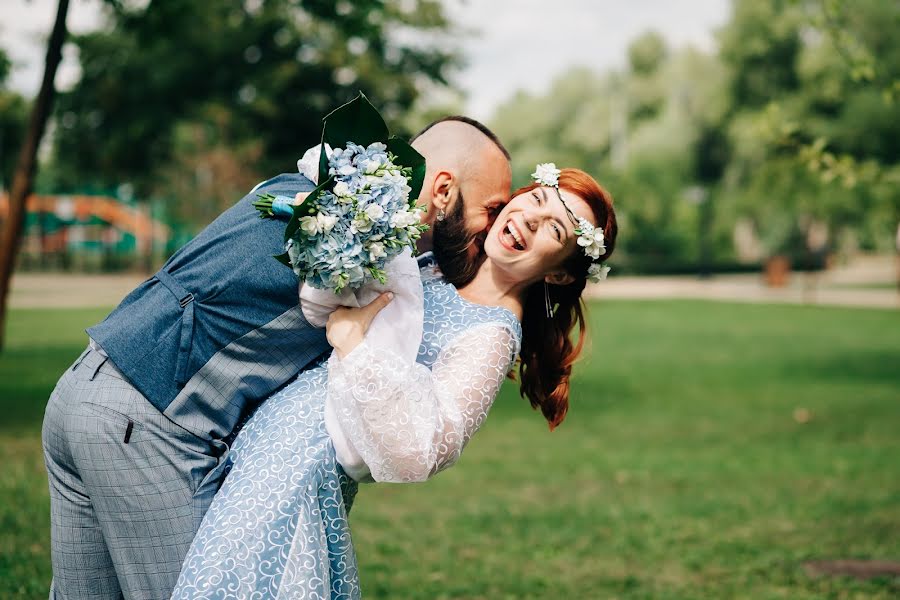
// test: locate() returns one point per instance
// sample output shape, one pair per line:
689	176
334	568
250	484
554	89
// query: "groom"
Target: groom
135	431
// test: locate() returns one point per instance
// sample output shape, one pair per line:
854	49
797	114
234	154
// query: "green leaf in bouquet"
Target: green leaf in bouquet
323	162
283	259
307	208
357	121
408	157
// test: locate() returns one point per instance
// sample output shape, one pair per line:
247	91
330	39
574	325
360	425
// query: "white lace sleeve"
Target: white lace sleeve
406	422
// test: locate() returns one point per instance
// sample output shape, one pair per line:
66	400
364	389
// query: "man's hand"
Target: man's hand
347	327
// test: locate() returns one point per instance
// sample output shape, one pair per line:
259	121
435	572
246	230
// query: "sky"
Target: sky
514	44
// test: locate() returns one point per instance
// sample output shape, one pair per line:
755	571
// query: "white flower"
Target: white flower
360	224
585	233
374	212
370	167
376	250
313	225
326	222
309	164
546	174
341	189
309	225
404	218
590	238
597	272
399	218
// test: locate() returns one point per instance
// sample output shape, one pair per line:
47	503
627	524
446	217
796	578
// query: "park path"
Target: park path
804	289
67	290
865	282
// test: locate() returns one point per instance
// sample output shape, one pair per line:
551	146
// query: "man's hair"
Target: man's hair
476	124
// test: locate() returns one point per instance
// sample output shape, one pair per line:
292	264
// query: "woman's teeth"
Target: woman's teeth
516	241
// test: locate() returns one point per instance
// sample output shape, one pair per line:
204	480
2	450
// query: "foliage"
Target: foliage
822	145
167	84
13	118
676	475
652	137
792	124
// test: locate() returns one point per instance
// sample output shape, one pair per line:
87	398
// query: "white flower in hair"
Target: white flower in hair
597	272
590	238
546	174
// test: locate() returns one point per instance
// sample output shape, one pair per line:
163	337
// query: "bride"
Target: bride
278	526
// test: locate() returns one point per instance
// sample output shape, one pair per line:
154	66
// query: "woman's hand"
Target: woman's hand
347	327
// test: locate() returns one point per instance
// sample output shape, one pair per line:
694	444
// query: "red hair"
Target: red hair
548	353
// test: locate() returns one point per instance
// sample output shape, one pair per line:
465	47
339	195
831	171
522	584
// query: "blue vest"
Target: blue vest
218	328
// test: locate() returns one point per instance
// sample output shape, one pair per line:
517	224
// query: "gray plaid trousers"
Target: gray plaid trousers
128	486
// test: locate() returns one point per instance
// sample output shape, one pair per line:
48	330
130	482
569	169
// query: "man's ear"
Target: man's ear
442	190
559	278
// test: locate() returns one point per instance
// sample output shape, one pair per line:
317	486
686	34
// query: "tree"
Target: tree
251	79
23	178
13	119
793	125
649	134
813	125
647	53
761	44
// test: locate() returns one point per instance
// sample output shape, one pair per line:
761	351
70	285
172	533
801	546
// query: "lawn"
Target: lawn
711	449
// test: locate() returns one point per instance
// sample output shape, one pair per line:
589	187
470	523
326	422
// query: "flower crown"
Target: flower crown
590	238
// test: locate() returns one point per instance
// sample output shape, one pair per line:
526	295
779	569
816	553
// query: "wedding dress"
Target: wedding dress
278	527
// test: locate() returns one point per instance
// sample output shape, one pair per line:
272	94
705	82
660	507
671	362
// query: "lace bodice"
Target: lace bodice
407	421
447	315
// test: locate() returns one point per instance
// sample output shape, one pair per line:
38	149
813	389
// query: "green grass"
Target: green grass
878	285
681	471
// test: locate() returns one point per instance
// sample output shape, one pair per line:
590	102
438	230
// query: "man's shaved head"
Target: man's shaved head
463	144
467	180
472	123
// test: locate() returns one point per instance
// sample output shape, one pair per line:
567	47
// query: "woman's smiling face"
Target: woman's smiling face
535	234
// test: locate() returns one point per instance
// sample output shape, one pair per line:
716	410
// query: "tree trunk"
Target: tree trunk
23	178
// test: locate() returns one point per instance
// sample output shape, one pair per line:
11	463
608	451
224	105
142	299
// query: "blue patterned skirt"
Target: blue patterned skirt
278	527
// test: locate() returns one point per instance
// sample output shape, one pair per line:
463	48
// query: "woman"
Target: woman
278	527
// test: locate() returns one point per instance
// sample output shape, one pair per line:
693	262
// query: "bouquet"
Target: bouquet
363	212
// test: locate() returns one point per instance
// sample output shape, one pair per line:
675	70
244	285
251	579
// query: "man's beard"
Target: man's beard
452	245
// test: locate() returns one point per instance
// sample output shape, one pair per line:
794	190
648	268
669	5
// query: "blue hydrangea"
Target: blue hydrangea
363	221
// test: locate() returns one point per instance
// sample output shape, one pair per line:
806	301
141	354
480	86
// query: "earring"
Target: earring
547	305
441	214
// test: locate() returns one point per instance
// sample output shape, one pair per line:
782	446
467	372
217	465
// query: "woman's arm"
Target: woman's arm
406	422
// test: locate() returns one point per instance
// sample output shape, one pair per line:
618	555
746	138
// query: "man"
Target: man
135	430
